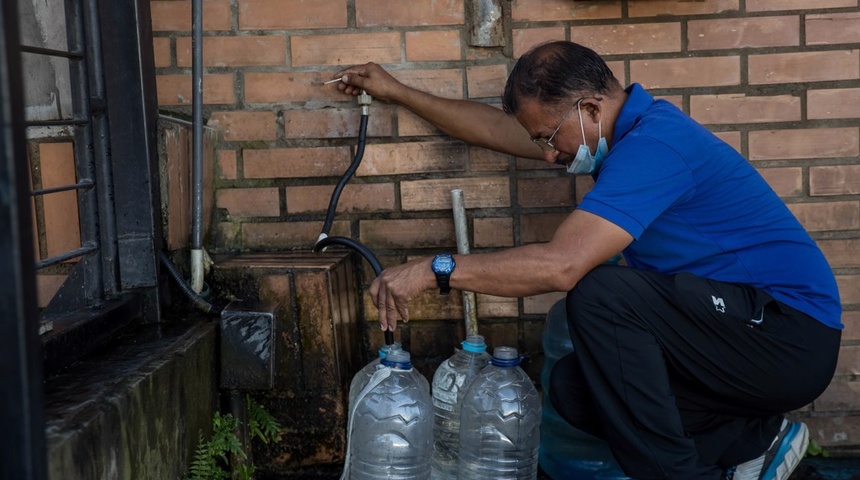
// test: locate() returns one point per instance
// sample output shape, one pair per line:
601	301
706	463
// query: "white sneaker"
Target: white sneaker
780	459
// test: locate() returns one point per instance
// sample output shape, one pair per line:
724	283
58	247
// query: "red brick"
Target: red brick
288	87
849	360
540	304
804	67
686	72
804	143
840	396
584	184
369	197
653	8
491	306
618	71
485	160
493	232
292	234
335	123
175	16
851	320
841	253
771	5
785	181
849	290
411	233
249	202
478	192
385	13
411	125
486	80
832	28
442	82
833	103
561	10
732	138
57	167
629	38
291	14
740	108
834	180
721	33
47	286
540	227
433	45
835	216
176	89
296	162
526	38
244	51
345	49
161	50
227	164
427	305
833	431
415	157
545	192
244	126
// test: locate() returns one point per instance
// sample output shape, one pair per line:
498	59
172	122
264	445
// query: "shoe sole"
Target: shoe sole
790	453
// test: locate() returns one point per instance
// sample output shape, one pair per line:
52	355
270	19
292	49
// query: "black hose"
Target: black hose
335	196
196	299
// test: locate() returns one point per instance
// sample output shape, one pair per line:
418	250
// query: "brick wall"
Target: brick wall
777	79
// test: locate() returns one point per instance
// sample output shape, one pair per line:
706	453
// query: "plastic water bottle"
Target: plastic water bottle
500	422
449	385
567	452
391	424
361	378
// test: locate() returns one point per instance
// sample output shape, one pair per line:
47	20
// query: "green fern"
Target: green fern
261	423
212	458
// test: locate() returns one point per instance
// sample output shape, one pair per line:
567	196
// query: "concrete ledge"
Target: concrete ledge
136	410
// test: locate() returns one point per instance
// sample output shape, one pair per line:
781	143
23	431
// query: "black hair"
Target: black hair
554	71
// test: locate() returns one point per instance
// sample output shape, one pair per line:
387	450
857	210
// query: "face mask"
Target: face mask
584	163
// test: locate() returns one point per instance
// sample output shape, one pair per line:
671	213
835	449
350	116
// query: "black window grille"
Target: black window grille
108	114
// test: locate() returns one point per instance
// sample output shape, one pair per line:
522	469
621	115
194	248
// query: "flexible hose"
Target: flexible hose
366	253
335	196
195	298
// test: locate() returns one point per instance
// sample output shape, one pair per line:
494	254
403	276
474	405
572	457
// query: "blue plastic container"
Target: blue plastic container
567	453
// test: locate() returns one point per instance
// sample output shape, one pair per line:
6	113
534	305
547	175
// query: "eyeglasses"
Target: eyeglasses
546	143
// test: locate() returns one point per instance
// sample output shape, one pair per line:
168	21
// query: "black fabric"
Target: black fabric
685	376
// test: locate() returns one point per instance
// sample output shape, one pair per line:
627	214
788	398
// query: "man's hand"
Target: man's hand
396	286
371	78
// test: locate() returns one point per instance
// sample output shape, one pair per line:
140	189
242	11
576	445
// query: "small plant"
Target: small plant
212	458
816	450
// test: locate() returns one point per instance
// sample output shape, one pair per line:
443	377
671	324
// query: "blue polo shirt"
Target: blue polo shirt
693	204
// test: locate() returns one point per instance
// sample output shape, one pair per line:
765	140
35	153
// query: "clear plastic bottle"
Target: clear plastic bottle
361	378
391	426
450	382
567	452
500	422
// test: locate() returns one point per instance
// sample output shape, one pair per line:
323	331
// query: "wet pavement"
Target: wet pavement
813	468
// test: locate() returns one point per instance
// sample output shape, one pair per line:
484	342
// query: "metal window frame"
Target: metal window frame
21	398
116	280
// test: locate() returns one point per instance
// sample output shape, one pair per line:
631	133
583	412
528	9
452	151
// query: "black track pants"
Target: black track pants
685	376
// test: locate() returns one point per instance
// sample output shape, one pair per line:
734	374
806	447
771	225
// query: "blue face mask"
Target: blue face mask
584	163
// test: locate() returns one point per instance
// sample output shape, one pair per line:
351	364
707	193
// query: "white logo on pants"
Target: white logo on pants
719	304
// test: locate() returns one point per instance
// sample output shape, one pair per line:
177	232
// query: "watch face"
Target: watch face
443	264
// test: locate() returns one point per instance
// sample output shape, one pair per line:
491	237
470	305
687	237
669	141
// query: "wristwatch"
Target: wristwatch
442	266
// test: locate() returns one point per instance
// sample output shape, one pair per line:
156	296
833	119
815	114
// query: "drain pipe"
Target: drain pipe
197	147
461	229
